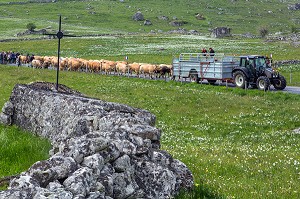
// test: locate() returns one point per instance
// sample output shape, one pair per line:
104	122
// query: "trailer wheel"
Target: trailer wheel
263	83
279	83
240	79
211	81
194	78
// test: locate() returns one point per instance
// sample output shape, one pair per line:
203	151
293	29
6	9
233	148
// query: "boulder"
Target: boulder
138	16
177	23
165	18
147	22
295	6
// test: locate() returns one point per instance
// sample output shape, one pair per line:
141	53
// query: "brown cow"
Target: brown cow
41	58
164	70
54	62
36	63
135	67
149	69
108	66
94	65
74	64
23	59
63	63
122	67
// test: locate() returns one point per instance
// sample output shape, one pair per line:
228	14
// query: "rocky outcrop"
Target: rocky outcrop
34	32
220	32
177	23
295	6
138	16
100	149
284	62
147	22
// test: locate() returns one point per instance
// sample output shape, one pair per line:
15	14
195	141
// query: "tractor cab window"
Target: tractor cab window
261	62
251	63
251	66
243	62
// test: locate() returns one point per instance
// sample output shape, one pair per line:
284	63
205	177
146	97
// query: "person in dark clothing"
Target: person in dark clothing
18	61
204	51
13	58
211	52
1	57
30	60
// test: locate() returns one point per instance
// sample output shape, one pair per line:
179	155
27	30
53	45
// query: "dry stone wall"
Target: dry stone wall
100	149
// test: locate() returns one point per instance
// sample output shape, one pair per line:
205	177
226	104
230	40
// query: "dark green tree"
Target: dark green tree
294	29
31	26
263	31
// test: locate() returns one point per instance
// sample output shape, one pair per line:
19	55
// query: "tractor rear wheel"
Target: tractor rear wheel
263	83
279	83
240	79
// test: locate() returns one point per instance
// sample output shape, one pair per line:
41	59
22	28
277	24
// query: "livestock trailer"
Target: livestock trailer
199	67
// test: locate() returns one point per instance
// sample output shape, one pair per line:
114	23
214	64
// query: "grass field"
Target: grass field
151	48
238	144
19	150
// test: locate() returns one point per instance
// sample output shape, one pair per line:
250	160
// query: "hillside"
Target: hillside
86	17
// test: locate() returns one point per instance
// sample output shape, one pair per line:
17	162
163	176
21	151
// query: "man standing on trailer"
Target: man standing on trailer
204	51
211	52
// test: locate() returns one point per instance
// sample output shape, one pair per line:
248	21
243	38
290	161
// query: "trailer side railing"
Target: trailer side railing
207	66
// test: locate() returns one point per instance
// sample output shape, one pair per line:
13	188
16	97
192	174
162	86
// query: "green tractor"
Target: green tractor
257	71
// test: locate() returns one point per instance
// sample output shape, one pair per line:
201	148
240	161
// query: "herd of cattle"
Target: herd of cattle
98	66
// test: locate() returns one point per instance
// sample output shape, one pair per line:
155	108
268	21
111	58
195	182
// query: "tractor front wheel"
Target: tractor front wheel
279	83
263	83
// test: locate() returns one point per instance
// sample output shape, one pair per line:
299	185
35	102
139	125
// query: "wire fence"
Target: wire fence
291	72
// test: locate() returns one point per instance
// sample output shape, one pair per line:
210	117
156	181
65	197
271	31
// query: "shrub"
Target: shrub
31	26
294	29
263	31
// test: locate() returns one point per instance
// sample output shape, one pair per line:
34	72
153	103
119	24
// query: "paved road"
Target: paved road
288	89
291	89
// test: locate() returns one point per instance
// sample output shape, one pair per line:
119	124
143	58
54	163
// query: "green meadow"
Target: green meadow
237	143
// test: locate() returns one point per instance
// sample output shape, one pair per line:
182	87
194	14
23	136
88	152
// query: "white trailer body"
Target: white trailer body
199	66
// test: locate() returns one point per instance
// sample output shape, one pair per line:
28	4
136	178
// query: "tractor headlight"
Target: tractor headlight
275	74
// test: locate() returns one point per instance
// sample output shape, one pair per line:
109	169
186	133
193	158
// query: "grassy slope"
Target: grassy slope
96	17
237	143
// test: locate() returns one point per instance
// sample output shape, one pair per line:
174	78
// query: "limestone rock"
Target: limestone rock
147	22
138	16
